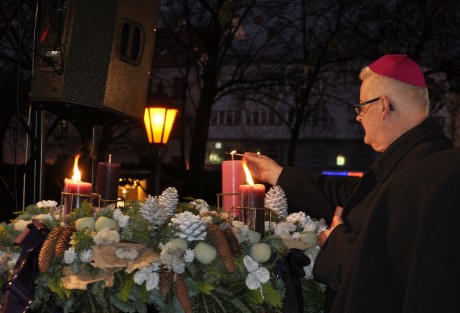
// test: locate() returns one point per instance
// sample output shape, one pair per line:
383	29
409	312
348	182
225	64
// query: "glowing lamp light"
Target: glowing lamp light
340	160
159	116
158	123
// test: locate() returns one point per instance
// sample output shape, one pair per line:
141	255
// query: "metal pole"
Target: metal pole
157	159
39	153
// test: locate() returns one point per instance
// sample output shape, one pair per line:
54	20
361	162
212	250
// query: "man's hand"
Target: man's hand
336	220
263	168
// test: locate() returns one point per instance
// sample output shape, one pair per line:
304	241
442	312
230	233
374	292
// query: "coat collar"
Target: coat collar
389	160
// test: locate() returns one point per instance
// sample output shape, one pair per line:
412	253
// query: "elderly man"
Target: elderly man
383	252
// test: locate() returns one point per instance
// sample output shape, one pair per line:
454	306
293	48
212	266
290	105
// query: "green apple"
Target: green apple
205	253
85	222
260	252
106	222
178	243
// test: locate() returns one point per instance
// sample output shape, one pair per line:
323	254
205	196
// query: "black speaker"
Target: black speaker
93	58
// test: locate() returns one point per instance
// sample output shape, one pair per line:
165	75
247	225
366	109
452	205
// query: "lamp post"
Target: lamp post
158	120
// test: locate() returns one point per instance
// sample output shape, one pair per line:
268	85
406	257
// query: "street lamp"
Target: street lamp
158	121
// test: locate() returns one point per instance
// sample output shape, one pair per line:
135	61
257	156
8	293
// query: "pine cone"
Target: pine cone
232	241
63	242
166	281
169	198
275	200
217	239
182	293
46	255
190	226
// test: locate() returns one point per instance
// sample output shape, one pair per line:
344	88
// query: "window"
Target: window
225	118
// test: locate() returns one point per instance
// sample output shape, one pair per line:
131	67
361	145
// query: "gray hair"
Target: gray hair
404	97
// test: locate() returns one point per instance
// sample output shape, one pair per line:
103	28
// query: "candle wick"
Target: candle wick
232	153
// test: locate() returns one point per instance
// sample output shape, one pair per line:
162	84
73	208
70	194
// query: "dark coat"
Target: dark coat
364	200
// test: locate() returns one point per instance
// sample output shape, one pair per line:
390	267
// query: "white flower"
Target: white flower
21	225
257	275
47	204
308	270
283	229
86	256
189	255
200	205
310	225
116	214
106	236
122	219
241	231
149	276
128	254
321	226
42	217
299	219
70	256
173	258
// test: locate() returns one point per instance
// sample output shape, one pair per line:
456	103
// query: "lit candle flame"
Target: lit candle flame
248	174
76	173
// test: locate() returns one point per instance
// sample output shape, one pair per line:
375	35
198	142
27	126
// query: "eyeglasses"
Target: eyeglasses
359	107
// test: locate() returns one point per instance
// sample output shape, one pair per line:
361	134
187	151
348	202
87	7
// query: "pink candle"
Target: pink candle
252	196
232	178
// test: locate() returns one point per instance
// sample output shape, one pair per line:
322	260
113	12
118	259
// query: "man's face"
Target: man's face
371	118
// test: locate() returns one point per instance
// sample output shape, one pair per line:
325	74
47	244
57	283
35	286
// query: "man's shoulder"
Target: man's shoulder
436	166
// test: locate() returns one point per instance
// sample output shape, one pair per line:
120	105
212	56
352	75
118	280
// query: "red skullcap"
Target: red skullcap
399	67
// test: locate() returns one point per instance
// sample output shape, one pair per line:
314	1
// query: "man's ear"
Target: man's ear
385	106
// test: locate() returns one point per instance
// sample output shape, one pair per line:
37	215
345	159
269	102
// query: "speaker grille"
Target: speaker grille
94	58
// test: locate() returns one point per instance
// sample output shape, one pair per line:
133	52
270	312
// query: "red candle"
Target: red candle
76	188
72	186
232	178
252	201
108	174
